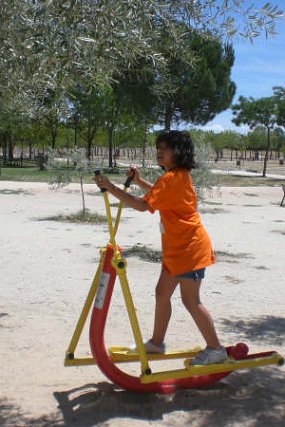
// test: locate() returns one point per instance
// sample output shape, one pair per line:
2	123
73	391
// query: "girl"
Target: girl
186	248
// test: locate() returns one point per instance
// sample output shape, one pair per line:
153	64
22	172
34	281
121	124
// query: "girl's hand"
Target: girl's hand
102	182
134	173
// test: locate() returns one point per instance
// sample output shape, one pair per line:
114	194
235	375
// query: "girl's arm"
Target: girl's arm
134	202
145	185
136	179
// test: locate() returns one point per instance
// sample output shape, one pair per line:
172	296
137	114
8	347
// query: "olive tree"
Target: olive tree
53	42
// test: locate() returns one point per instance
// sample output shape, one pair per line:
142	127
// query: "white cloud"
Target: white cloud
214	127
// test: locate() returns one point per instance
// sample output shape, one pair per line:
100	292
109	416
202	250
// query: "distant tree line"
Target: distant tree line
266	112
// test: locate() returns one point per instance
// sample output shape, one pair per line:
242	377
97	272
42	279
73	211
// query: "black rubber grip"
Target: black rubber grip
97	172
128	181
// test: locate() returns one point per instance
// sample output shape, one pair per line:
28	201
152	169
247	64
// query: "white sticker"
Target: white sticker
101	290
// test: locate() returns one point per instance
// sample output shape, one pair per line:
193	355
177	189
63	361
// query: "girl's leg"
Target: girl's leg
190	290
164	289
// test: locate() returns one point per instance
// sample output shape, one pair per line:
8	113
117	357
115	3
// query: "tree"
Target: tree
278	140
256	140
279	94
53	42
47	106
62	176
230	140
131	102
253	113
87	114
201	89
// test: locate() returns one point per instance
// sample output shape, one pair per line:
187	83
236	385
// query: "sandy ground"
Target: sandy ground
46	271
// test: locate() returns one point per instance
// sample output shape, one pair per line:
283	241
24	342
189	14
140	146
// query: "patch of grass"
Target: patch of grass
231	258
252	206
233	280
33	174
144	253
251	194
279	231
208	202
205	210
79	218
14	192
228	180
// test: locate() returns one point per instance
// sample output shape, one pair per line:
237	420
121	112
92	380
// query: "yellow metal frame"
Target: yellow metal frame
120	265
199	370
70	360
123	354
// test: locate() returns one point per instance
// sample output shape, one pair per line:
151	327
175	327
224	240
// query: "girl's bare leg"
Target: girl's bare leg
164	289
190	290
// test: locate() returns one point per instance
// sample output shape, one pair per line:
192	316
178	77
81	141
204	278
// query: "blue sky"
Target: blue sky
258	67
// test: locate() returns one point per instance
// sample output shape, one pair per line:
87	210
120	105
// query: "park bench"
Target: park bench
283	188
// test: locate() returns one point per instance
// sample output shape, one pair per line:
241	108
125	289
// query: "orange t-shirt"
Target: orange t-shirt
185	243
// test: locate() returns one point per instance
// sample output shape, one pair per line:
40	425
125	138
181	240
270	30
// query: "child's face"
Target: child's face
164	156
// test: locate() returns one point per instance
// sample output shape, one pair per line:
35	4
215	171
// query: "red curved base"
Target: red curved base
121	378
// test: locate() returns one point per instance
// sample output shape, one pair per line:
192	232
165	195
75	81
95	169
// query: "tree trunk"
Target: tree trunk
4	148
266	153
30	150
168	117
53	134
110	144
75	123
89	136
144	149
82	196
75	136
10	147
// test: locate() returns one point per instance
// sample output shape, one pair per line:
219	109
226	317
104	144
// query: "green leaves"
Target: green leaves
261	112
202	88
57	41
255	112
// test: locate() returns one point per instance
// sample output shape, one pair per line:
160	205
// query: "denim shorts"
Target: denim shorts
195	275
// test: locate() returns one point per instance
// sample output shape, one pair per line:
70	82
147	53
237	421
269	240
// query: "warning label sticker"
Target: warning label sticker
101	290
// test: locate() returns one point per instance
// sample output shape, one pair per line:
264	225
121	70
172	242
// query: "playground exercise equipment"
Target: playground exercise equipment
111	265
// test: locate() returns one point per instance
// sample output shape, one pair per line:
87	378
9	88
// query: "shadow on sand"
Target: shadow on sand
268	329
255	396
252	397
12	415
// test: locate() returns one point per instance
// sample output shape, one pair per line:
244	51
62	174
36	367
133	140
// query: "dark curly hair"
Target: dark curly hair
181	144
